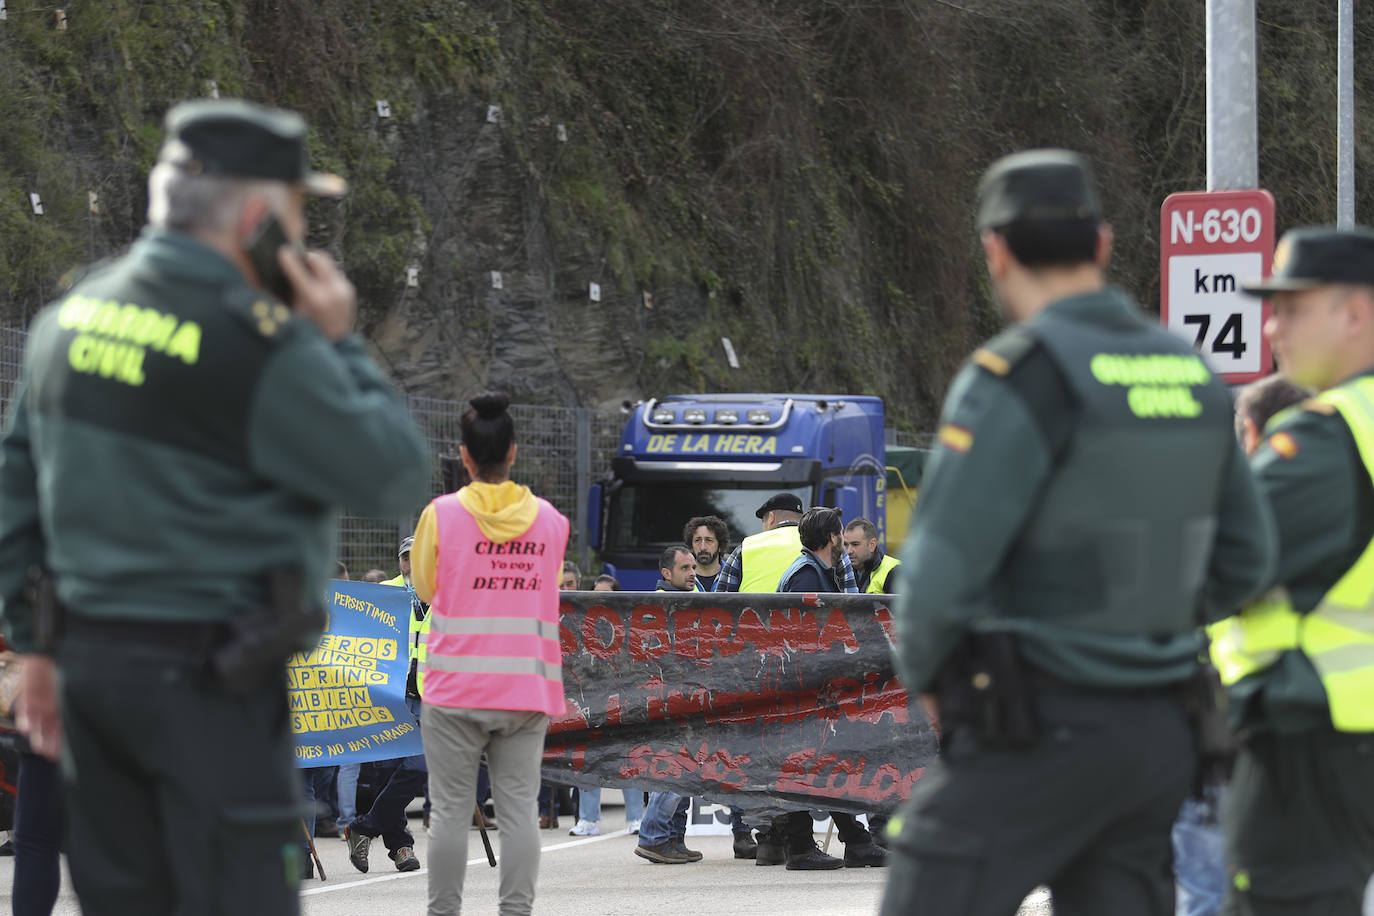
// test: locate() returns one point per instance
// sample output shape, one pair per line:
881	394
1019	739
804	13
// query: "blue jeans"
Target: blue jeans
634	804
348	792
315	781
664	818
1199	856
589	805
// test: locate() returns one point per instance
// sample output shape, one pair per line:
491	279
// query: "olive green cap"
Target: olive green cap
1037	184
239	139
1317	256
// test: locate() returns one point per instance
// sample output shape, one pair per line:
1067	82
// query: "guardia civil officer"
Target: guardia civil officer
1086	501
175	458
1299	813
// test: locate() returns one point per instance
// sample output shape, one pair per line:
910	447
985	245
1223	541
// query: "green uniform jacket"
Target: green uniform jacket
176	433
1323	505
992	467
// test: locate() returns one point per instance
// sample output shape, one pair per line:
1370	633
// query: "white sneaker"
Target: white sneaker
586	828
632	828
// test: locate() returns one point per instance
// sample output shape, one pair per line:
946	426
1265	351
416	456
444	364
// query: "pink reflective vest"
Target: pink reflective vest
493	641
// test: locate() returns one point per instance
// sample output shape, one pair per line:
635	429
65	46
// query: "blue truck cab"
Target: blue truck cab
724	455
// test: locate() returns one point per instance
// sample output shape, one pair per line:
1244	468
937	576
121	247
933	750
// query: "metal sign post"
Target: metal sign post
1345	117
1232	135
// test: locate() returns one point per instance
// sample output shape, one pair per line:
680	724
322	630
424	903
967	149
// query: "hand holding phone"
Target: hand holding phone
323	295
262	249
308	281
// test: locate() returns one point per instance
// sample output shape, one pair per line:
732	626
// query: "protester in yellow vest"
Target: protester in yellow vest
419	622
387	817
874	568
759	561
1299	664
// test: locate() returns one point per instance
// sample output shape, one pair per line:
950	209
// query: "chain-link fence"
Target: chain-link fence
562	451
913	440
11	359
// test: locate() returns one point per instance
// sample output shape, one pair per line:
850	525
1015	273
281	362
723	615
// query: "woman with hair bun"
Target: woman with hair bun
487	558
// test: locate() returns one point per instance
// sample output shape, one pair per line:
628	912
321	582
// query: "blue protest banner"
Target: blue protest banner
348	694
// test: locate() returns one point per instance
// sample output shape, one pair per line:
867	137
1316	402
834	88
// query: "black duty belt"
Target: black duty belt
191	636
1046	682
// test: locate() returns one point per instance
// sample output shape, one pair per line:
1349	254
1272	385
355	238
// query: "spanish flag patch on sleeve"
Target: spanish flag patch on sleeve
1284	444
956	438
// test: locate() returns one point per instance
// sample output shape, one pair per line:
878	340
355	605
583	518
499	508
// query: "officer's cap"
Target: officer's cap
787	502
1037	184
1316	256
405	546
238	139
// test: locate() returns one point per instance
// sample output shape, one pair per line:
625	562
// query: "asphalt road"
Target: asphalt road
589	877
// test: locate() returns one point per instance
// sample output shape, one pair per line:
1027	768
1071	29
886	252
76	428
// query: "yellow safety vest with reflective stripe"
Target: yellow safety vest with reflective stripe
765	557
419	638
877	583
419	648
1338	634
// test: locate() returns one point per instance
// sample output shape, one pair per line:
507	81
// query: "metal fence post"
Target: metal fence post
582	485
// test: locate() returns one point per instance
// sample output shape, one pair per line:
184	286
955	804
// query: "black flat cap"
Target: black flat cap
787	502
240	139
1316	256
1037	184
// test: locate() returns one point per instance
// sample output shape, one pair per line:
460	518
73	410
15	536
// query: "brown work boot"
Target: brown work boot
662	854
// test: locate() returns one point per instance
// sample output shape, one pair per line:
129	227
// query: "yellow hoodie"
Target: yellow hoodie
503	511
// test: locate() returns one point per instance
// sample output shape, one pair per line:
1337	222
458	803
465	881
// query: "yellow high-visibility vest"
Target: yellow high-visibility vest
764	557
877	583
1338	634
419	648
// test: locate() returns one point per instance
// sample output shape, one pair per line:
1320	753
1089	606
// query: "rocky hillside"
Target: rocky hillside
794	175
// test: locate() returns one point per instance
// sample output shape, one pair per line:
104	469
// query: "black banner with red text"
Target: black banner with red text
770	702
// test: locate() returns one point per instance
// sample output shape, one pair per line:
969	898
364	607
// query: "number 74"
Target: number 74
1228	339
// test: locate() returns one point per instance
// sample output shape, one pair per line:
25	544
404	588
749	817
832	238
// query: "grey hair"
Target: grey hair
178	199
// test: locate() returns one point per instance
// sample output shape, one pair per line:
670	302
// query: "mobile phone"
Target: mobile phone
262	249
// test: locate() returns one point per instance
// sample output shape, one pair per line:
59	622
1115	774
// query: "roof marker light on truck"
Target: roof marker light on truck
694	415
727	416
758	416
662	415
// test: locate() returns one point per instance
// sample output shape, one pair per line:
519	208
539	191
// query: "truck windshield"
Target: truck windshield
644	517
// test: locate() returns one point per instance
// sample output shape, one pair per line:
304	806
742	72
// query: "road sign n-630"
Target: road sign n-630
1210	242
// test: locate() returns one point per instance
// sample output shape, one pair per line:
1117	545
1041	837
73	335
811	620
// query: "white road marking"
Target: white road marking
619	834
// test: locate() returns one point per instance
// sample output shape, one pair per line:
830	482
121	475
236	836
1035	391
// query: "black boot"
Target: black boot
812	859
745	847
864	855
771	848
877	825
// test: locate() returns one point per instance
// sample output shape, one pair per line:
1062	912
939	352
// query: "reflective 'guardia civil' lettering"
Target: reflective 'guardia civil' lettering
1159	385
1150	369
133	325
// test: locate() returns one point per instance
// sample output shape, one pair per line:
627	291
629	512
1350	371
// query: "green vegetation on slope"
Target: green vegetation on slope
795	176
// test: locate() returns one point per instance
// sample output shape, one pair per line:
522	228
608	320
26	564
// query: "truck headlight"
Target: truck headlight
727	416
758	415
694	415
